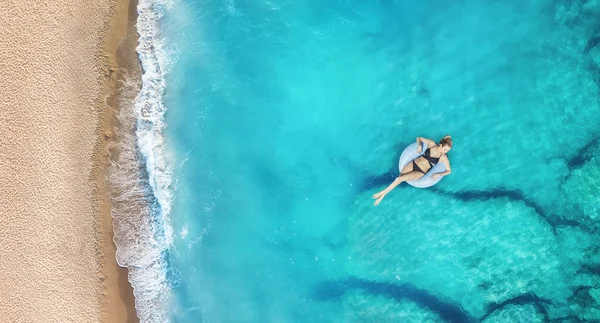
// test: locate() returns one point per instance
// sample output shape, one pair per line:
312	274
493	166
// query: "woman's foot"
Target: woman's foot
378	195
378	200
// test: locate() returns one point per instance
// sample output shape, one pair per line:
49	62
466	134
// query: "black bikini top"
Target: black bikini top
432	160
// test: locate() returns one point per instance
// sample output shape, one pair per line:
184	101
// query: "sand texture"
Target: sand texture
54	247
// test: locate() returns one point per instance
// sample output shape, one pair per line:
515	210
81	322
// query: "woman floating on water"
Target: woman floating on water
422	164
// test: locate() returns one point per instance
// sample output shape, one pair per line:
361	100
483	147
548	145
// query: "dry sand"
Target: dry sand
57	259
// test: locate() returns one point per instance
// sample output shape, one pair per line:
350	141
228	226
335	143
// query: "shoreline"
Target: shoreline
121	59
136	170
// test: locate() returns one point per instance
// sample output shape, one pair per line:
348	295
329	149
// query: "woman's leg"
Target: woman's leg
410	176
406	169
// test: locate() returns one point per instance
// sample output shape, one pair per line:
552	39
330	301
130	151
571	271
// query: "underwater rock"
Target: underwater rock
585	304
366	307
582	189
477	253
595	55
443	307
591	8
516	314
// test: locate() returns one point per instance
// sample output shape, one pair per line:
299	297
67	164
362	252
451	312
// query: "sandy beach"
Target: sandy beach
58	60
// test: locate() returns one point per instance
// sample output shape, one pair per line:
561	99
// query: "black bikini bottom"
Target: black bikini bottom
417	168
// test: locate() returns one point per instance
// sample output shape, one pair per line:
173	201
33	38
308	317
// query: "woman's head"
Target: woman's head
446	144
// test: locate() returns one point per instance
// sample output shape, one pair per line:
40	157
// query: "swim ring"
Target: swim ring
408	155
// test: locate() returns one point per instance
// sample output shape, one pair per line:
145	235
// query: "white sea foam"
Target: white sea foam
184	231
149	105
140	175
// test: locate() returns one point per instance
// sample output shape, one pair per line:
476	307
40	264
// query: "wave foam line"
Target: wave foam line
149	105
140	174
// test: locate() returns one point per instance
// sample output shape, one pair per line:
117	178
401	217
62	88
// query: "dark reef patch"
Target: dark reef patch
553	221
523	299
447	310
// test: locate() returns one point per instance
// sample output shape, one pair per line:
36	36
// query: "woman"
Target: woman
422	164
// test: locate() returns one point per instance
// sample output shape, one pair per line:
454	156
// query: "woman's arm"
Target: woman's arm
446	162
428	142
448	171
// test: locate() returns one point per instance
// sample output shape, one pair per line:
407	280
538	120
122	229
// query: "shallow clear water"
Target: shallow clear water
284	117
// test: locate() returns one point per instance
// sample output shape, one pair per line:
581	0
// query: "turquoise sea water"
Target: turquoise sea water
284	117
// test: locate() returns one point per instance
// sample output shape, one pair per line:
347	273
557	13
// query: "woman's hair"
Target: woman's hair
446	141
